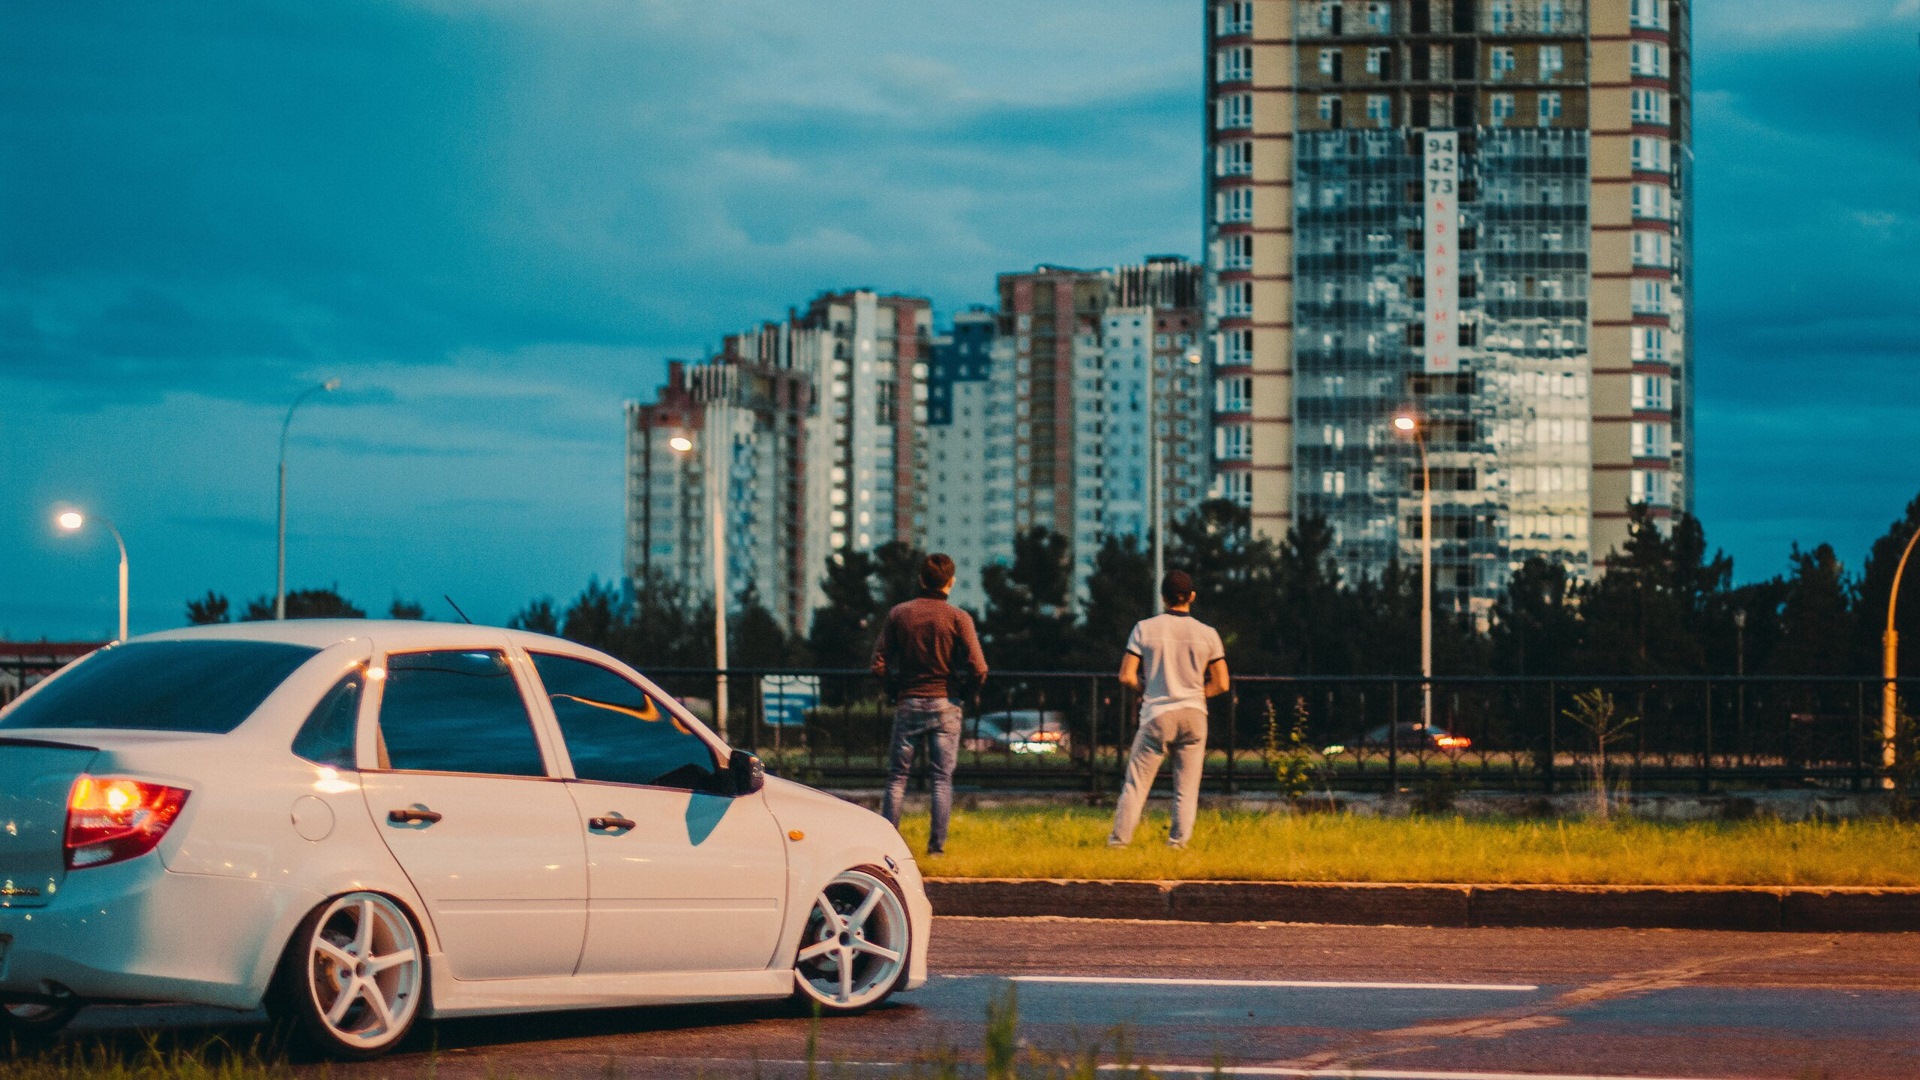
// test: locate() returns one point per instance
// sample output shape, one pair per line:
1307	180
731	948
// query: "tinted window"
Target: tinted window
456	712
327	738
616	733
163	686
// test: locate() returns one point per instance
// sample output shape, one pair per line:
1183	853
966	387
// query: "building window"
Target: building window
1233	205
1649	60
1649	296
1235	18
1650	487
1330	61
1330	109
1330	14
1500	62
1379	17
1553	60
1647	14
1234	64
1549	108
1649	106
1553	15
1234	111
1650	393
1236	252
1235	487
1380	62
1650	154
1651	438
1649	345
1238	348
1239	299
1233	159
1501	16
1233	394
1380	110
1233	442
1501	109
1652	249
1333	482
1650	202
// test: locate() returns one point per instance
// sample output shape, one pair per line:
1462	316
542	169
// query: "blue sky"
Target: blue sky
495	221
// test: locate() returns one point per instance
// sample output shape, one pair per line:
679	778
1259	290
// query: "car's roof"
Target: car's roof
389	633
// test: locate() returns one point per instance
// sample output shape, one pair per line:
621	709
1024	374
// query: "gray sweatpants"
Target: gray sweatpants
1183	733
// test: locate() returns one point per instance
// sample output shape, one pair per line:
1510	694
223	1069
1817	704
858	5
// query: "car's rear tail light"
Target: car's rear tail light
111	820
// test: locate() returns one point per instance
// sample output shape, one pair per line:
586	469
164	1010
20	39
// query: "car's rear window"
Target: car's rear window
163	686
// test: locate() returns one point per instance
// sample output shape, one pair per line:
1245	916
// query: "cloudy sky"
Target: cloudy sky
496	220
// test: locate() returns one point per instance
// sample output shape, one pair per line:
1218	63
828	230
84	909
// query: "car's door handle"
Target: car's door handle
413	816
611	823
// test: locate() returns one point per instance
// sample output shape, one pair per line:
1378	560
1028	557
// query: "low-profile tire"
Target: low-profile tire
353	980
854	949
31	1024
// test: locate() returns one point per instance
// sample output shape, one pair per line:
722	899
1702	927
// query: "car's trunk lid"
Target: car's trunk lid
36	776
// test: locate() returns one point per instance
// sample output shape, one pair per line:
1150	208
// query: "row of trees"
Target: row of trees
1666	605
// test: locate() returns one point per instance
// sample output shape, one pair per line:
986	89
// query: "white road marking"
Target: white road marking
1347	1073
1281	984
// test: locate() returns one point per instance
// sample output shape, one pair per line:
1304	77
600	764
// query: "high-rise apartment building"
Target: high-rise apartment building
754	415
969	473
1476	210
874	396
1089	353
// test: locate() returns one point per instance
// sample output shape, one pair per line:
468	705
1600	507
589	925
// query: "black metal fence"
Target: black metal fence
1072	731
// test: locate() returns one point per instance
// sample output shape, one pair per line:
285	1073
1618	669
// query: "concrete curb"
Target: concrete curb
1706	907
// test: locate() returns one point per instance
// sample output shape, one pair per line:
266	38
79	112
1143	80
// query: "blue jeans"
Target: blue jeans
939	720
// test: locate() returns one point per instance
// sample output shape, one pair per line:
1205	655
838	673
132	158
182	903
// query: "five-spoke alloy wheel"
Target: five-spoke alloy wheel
354	978
854	949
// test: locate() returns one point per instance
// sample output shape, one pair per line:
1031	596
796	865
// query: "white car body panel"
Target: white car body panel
266	837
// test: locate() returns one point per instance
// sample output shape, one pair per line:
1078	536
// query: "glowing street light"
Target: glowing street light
1409	424
280	573
72	521
1890	668
717	545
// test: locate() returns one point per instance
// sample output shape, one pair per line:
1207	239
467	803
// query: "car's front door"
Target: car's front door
681	877
464	798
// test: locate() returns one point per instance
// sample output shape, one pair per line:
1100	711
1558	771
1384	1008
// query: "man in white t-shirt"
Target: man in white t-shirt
1175	662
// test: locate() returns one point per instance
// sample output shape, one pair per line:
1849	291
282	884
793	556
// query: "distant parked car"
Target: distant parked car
1023	731
358	823
1408	736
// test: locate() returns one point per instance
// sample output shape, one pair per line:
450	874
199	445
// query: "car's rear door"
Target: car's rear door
681	877
472	809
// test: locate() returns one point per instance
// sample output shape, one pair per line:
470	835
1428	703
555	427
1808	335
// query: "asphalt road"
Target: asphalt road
1265	1000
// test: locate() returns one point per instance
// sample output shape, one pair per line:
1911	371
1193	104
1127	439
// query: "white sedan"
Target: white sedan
363	823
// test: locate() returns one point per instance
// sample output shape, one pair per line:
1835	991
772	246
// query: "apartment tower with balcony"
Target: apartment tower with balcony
1474	210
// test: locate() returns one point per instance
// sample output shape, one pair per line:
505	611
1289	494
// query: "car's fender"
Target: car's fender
826	835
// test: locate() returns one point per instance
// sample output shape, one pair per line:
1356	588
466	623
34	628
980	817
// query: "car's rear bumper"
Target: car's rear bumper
135	932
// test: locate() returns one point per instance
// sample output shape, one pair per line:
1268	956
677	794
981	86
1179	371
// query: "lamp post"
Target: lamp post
1408	424
72	521
1890	669
280	559
716	497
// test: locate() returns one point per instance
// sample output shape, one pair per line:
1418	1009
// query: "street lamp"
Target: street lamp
280	561
72	521
716	492
1408	424
1890	668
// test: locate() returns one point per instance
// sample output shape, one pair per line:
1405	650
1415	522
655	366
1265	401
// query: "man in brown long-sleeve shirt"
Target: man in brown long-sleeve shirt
929	658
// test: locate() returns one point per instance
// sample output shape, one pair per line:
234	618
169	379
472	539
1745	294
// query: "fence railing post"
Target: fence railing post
1706	743
1093	737
1393	742
1233	725
1553	732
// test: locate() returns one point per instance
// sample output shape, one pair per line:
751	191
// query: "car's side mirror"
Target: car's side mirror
749	775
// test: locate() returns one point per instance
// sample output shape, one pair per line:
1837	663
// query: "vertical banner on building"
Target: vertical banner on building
1442	271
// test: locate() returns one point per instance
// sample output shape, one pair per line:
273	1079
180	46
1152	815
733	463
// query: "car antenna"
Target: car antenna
456	609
